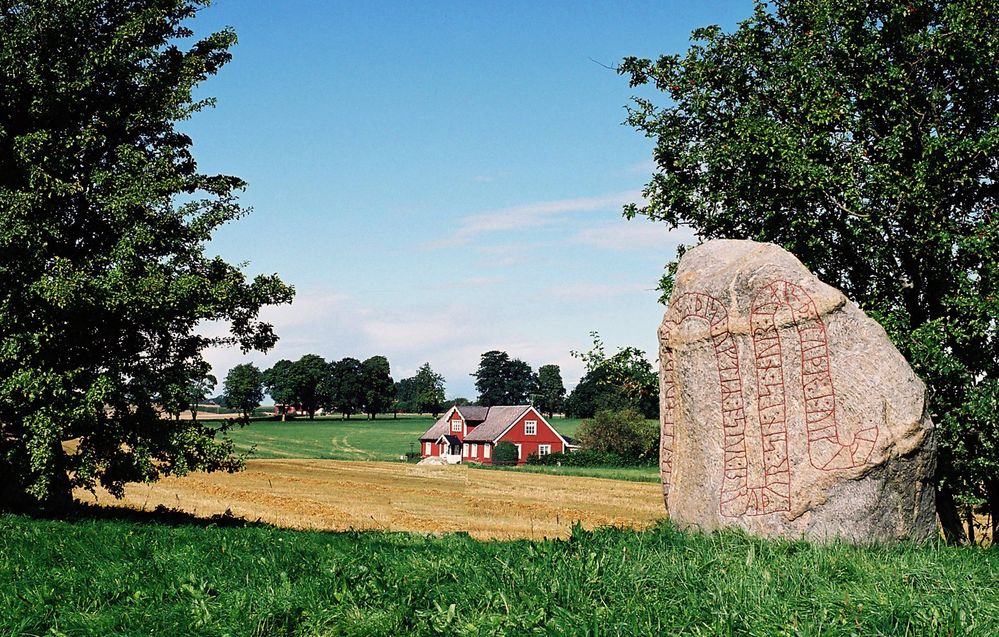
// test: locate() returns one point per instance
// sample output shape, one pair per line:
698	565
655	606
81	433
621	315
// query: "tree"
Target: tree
104	219
502	381
243	389
626	434
505	453
625	380
379	389
429	390
310	379
280	385
405	396
347	391
551	389
862	136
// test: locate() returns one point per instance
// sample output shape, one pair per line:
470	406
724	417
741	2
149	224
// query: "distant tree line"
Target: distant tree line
623	381
347	386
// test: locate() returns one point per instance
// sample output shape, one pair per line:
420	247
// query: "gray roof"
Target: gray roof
437	429
473	413
493	422
497	421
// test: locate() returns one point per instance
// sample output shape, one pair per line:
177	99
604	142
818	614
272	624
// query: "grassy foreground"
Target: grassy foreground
103	577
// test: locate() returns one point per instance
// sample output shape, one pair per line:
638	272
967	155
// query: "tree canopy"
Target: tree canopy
243	388
862	136
501	380
104	220
347	390
428	390
379	388
551	389
624	380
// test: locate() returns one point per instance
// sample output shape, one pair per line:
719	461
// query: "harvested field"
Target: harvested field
393	496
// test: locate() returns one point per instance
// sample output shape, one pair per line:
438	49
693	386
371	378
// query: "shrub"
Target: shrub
623	433
505	453
588	458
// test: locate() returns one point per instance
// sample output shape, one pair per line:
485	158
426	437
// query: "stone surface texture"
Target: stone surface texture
786	411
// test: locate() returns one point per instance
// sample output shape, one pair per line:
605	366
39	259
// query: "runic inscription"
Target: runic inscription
825	450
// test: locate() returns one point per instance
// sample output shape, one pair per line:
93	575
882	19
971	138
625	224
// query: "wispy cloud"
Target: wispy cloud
630	235
529	215
592	291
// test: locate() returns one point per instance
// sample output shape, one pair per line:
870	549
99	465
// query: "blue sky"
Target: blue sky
441	179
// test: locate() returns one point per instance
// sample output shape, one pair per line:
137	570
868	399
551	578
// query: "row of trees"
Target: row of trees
625	380
348	386
501	380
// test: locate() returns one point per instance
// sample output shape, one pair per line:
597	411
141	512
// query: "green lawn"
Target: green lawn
332	438
123	577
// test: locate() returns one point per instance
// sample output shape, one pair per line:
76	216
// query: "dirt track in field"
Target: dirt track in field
338	495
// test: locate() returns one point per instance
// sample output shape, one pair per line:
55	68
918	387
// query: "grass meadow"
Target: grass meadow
332	438
133	574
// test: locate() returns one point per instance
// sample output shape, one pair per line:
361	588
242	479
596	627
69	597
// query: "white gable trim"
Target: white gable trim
541	418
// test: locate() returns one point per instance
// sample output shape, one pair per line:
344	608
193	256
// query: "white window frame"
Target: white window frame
455	425
487	451
427	449
533	424
517	445
475	450
464	449
544	450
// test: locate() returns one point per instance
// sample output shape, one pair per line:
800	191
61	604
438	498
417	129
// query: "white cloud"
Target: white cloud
528	216
592	291
631	235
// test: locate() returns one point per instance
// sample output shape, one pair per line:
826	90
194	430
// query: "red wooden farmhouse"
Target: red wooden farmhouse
469	434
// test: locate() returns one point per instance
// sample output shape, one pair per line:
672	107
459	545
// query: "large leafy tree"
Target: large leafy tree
347	392
551	389
379	388
279	382
104	220
428	393
623	380
501	380
243	388
863	136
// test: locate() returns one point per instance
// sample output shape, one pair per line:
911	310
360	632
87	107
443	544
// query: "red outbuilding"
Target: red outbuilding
469	434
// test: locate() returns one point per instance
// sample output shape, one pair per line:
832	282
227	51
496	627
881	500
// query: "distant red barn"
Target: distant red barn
469	434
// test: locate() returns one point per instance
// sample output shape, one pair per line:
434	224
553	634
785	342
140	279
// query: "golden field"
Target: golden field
393	496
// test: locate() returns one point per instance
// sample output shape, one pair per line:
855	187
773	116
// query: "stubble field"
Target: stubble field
397	496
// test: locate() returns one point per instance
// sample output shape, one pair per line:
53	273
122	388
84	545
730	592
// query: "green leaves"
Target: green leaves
105	276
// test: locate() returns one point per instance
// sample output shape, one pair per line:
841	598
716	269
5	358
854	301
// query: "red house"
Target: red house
469	434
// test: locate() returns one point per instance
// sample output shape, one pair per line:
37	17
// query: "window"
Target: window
426	448
518	451
464	450
475	450
455	425
486	451
530	427
544	450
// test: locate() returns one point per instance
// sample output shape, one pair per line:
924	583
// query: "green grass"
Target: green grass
120	577
631	474
332	438
354	439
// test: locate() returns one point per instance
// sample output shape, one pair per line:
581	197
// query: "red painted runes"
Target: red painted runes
826	452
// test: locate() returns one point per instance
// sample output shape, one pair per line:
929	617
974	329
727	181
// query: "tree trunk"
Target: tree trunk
992	506
950	518
969	512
